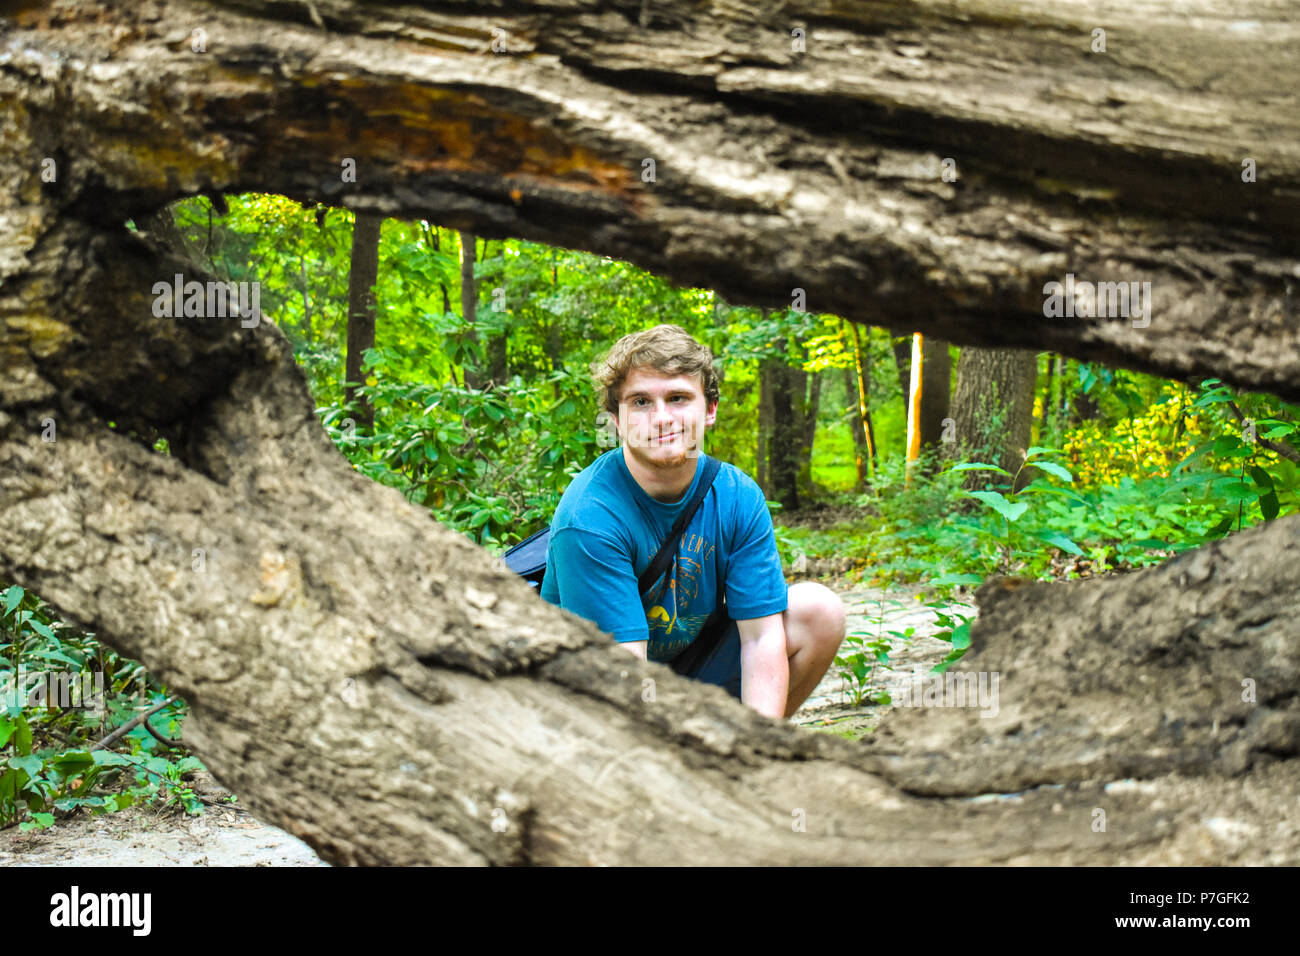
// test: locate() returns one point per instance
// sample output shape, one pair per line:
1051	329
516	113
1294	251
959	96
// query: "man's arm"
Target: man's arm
635	648
764	668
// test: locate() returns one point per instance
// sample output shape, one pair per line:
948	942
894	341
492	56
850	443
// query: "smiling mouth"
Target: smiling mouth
663	438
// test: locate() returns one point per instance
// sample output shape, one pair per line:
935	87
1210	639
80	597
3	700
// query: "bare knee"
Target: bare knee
821	612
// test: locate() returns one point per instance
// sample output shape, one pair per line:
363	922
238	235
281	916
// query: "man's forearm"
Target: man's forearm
765	670
635	648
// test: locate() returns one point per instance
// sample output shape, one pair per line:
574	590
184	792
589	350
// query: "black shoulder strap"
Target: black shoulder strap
659	563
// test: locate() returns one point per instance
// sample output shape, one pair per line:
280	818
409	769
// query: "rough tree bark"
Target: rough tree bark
362	275
993	408
341	650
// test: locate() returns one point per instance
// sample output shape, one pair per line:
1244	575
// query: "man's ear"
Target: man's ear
711	415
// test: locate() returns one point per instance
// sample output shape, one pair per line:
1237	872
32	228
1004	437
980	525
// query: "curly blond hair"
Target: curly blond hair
668	349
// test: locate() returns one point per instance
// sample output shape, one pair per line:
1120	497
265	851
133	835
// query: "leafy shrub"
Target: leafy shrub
48	765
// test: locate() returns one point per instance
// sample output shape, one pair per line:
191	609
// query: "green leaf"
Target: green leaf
1036	487
1269	505
1230	446
1039	450
1262	477
1056	539
1008	509
30	765
7	728
22	737
72	762
13	597
961	637
1235	491
1052	468
948	661
44	631
53	654
950	579
9	787
107	758
1221	528
979	466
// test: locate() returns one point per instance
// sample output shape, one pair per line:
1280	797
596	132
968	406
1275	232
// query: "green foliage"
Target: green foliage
863	651
75	692
490	463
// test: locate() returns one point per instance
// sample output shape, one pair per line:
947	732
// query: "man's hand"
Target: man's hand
635	648
764	666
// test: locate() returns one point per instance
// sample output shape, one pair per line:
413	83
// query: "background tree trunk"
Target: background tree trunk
497	355
858	393
806	424
928	399
469	306
371	682
903	362
936	390
993	407
362	276
788	390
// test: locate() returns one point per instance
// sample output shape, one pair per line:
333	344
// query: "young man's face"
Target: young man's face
662	418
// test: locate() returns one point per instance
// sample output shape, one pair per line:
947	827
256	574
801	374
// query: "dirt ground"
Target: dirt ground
225	835
221	836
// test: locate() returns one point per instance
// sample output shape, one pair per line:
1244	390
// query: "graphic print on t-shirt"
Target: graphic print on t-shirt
677	618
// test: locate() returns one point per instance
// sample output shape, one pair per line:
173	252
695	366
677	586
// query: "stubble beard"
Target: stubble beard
678	459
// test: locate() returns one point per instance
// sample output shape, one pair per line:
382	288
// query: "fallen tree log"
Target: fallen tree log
369	680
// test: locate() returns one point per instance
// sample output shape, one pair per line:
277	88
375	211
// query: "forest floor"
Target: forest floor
226	835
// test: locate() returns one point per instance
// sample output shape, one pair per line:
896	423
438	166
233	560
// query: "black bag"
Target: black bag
528	560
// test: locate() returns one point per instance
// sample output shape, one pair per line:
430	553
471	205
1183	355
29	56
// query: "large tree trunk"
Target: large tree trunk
994	406
342	652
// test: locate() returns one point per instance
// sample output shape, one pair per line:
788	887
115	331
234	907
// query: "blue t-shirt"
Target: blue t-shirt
607	529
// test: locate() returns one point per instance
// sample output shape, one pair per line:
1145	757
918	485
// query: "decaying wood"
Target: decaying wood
370	680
